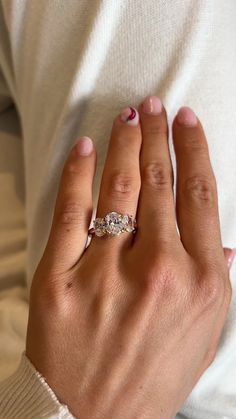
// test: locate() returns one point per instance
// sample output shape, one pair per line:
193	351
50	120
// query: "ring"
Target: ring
113	224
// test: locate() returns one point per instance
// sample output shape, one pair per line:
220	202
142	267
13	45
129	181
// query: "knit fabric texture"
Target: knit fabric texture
26	395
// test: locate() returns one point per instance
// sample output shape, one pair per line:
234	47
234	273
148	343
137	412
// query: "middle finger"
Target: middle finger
156	209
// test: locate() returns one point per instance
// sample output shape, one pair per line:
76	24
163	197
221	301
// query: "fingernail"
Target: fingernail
130	116
231	258
152	105
84	146
187	117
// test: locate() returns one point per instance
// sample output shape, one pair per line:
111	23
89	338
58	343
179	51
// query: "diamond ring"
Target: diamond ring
113	224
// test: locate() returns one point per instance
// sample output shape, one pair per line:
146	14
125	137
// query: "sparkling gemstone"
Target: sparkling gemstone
130	225
114	223
99	227
123	220
127	223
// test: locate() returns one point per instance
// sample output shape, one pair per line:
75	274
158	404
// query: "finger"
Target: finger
196	197
229	256
73	208
156	209
120	182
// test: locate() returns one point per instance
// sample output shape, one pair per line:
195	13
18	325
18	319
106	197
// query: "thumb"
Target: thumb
73	208
229	255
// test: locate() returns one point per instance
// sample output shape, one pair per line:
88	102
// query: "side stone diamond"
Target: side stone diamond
128	223
99	227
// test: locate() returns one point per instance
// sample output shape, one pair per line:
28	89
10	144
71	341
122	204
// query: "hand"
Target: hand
126	327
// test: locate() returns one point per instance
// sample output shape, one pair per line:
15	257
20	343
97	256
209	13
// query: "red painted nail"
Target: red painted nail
130	115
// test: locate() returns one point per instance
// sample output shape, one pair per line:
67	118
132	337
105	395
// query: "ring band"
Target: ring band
113	224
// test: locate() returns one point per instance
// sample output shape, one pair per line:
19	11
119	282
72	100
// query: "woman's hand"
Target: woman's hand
126	327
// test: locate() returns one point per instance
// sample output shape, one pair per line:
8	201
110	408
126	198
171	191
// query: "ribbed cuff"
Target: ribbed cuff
25	394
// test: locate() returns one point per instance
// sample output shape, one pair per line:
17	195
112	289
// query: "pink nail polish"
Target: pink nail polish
130	115
152	105
231	258
84	146
186	117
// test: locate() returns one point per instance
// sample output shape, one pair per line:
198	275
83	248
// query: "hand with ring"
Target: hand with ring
125	327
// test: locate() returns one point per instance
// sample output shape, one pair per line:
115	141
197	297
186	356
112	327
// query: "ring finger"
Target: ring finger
120	182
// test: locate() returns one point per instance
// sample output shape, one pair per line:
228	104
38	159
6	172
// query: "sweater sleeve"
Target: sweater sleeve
25	394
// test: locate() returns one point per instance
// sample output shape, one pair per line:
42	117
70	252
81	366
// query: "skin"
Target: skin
126	327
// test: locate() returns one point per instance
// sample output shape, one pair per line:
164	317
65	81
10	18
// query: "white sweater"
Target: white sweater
68	67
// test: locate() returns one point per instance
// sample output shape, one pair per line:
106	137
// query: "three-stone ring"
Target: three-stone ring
113	224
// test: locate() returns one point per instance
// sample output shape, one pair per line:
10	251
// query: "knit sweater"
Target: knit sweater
67	68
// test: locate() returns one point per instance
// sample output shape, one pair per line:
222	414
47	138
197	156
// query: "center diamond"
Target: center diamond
114	223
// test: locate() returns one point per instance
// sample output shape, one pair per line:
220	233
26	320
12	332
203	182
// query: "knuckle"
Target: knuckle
200	190
157	175
122	185
212	290
71	168
195	143
153	130
70	213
